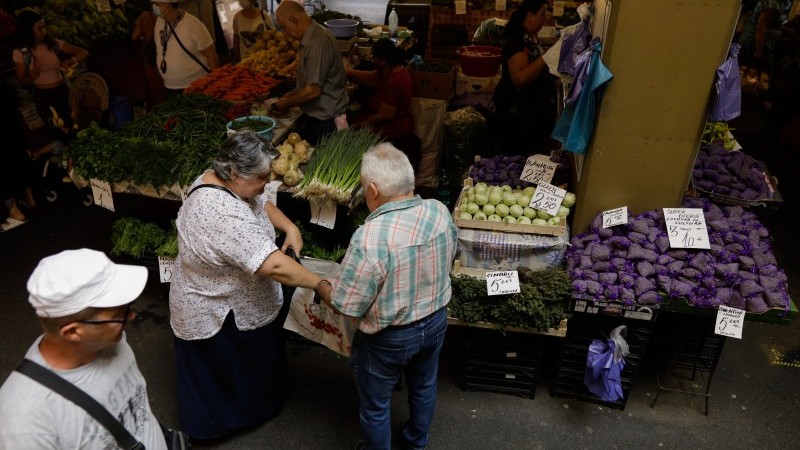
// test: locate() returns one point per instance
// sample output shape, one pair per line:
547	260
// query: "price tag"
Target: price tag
614	217
686	228
503	282
538	168
547	198
558	9
184	191
736	145
461	7
271	189
500	5
323	214
166	267
101	193
103	5
730	322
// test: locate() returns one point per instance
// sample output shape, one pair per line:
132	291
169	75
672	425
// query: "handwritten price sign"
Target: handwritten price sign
101	193
547	198
323	214
271	190
614	217
730	322
538	168
686	228
166	267
503	282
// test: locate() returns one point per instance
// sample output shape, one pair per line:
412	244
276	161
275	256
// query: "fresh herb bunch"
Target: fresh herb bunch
718	132
131	236
540	304
314	249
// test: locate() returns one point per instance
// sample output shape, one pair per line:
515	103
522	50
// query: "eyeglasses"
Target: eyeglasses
122	321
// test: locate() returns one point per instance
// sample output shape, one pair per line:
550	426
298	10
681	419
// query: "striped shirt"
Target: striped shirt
397	267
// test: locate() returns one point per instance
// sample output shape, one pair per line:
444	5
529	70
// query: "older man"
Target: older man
83	302
396	278
184	48
321	77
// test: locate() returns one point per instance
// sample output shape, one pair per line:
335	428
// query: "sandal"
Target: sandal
11	223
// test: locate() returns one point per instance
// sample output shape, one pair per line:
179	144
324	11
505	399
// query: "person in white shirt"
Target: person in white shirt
83	302
248	24
184	48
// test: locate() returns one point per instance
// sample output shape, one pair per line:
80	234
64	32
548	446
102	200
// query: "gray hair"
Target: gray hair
389	169
246	154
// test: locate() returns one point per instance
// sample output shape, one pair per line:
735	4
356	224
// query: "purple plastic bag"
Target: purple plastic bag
572	46
604	365
728	102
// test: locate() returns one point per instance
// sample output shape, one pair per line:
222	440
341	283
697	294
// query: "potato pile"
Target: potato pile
294	151
276	53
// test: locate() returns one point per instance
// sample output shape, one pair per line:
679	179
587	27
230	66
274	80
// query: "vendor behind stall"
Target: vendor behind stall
525	97
320	90
387	110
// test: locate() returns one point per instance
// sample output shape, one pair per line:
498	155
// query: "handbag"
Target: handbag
176	440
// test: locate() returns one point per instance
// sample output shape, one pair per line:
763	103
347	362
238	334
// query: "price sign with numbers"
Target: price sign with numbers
614	217
271	189
323	214
184	190
558	9
502	282
166	267
686	228
101	193
500	5
461	7
730	322
538	168
547	198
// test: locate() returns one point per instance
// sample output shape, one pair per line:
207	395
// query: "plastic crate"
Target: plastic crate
506	364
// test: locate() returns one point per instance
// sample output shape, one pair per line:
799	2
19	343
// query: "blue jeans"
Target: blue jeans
378	360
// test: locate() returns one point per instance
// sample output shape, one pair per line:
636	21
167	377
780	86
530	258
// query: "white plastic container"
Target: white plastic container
393	22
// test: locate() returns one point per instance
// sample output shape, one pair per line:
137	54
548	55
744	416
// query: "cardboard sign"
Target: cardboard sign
547	198
730	322
101	193
686	228
500	5
614	217
558	9
103	5
502	282
323	214
166	267
461	7
184	190
538	168
271	189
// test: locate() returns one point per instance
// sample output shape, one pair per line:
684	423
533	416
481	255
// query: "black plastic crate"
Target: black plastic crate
498	363
581	330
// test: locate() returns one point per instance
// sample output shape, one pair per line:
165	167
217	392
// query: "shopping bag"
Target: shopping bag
572	46
728	99
604	364
317	322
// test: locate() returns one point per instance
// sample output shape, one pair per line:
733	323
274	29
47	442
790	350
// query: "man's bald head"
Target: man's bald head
292	18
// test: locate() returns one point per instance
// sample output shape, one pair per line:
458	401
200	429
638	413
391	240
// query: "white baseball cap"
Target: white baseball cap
73	280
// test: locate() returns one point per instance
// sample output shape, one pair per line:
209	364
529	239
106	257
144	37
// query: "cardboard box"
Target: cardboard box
466	83
439	86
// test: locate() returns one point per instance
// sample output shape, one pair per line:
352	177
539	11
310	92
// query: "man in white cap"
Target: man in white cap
83	302
184	48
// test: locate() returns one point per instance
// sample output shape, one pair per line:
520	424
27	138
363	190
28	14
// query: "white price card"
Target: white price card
538	168
686	228
166	267
730	322
103	5
736	145
271	189
101	193
461	7
323	214
500	5
547	198
614	217
184	190
558	9
502	282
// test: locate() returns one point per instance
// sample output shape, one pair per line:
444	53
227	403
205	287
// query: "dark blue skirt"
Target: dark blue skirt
233	380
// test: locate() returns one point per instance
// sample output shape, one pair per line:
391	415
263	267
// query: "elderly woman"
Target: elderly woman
228	297
41	61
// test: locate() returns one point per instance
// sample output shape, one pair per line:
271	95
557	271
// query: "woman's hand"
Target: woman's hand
293	239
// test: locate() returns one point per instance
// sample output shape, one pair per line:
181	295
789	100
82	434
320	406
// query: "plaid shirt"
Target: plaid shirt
397	267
